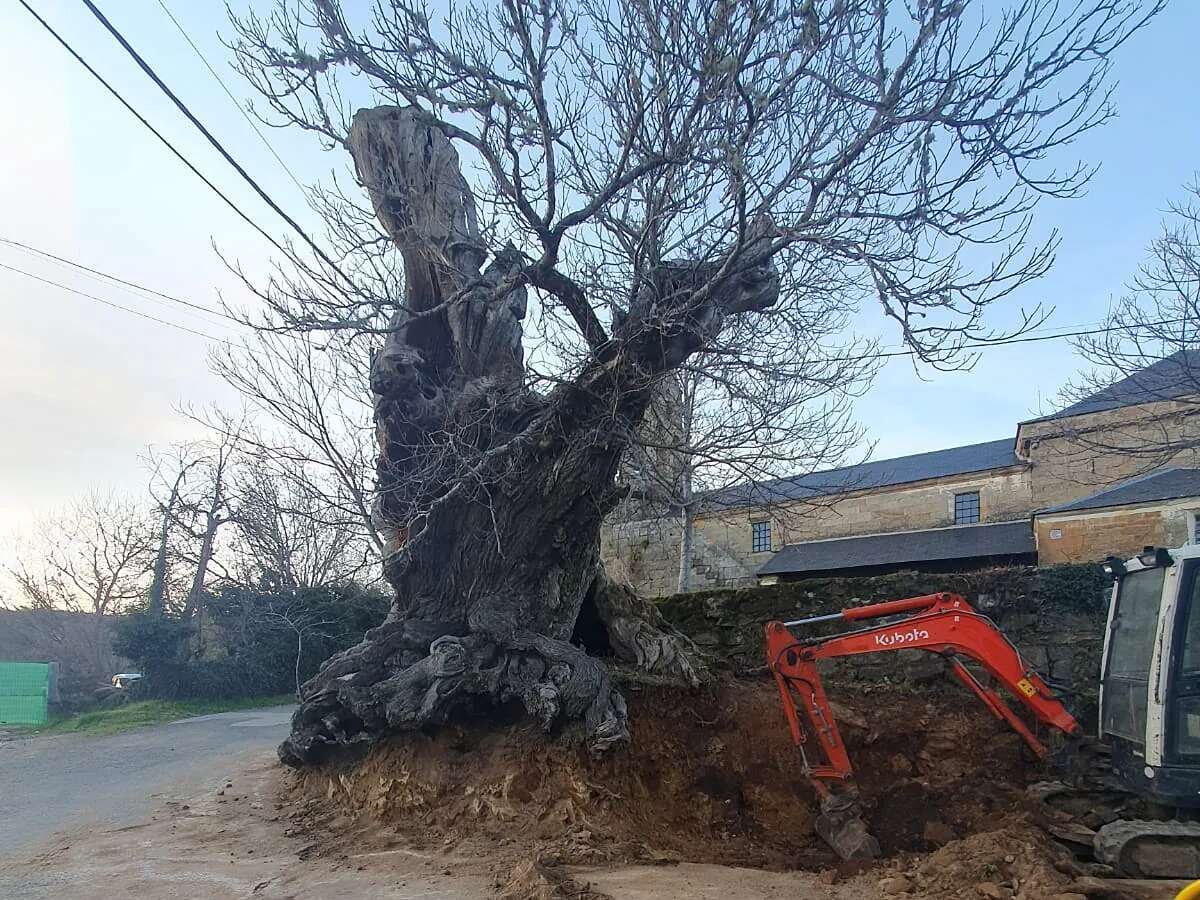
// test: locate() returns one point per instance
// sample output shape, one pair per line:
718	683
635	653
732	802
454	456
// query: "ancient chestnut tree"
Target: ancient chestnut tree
569	201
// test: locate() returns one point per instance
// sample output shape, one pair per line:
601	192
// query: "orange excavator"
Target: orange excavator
1149	703
945	624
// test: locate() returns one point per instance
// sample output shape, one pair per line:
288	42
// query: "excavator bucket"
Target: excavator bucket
842	826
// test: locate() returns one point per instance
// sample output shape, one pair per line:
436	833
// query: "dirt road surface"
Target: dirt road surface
48	784
192	810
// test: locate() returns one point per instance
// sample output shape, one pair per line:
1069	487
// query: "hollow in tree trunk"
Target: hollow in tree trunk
491	495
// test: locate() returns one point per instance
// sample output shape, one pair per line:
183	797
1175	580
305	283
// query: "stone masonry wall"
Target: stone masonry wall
1094	534
1067	464
644	554
1054	615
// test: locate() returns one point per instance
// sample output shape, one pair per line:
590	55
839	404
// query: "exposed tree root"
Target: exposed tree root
410	675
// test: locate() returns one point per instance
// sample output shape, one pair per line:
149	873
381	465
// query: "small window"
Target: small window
1193	526
966	508
760	537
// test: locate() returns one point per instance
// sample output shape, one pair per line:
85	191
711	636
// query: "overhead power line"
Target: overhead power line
1080	331
117	279
182	107
228	93
127	309
137	115
1073	332
978	345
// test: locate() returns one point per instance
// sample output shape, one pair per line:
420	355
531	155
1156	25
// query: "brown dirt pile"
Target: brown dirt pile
531	880
1014	861
709	777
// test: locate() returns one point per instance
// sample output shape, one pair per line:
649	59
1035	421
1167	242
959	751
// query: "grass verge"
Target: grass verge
151	712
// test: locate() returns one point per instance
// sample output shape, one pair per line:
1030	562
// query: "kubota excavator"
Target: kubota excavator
1149	700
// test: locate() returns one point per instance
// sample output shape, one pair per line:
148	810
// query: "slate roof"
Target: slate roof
1168	484
880	473
935	544
1173	376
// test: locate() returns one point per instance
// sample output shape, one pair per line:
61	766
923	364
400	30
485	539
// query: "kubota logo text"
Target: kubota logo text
901	637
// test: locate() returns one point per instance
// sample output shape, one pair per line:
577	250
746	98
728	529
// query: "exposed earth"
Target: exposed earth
707	803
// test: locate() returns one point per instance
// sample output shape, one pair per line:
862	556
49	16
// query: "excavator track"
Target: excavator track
1147	849
1115	826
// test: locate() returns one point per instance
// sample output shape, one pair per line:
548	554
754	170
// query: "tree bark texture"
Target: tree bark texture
491	495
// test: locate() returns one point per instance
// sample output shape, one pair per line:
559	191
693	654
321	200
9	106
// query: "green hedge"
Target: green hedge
246	647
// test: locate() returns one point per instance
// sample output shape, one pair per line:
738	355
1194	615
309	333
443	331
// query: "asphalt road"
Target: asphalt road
50	784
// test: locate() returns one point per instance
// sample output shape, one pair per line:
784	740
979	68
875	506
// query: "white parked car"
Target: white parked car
125	679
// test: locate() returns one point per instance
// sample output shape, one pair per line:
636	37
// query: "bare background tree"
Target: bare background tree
660	184
303	623
218	512
286	536
311	405
93	556
714	426
1150	341
191	485
230	572
73	570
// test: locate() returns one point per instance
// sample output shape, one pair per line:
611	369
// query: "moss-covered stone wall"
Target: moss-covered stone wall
1054	615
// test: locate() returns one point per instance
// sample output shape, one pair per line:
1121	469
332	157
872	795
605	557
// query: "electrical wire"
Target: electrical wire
132	284
228	93
182	107
1076	331
980	345
127	309
1017	339
137	115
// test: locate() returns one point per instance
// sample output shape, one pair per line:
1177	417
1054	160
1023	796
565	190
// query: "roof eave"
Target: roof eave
1060	511
1016	464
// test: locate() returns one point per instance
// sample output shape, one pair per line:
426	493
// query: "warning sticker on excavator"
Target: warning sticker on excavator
1026	687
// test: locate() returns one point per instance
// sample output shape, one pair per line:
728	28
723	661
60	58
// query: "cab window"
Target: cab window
1183	736
1130	650
1189	658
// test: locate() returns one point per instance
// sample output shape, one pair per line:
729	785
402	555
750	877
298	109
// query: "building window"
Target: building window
966	508
1193	526
760	537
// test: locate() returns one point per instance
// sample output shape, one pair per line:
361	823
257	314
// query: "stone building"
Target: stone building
1159	508
1116	471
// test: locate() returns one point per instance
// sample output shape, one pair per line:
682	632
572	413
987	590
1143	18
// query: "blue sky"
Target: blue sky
84	388
1146	155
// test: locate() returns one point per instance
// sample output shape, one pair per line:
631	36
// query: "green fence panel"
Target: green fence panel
24	693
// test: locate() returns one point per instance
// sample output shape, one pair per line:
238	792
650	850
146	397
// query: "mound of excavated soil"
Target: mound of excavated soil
1014	861
709	776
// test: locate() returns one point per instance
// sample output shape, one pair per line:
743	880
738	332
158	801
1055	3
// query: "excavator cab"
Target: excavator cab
1150	675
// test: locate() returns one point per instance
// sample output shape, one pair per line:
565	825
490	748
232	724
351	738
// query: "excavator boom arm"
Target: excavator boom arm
941	623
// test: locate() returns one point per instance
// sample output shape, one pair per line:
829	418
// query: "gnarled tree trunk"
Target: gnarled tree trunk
490	495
